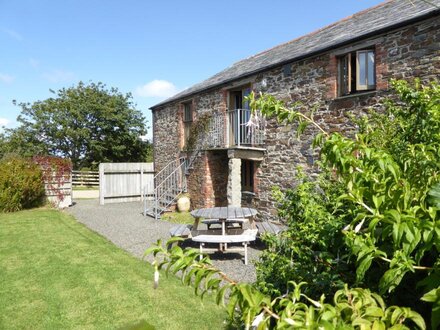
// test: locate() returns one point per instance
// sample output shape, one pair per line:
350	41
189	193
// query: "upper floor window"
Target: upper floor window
357	72
187	120
187	112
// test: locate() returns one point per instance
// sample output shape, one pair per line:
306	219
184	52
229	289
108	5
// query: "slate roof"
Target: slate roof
385	16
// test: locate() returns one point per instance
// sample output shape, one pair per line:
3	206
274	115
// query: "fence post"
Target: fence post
145	200
101	184
142	183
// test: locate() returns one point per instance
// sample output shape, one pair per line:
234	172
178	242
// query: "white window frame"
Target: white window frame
369	84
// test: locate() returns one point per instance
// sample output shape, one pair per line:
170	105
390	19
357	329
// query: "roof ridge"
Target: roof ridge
385	16
363	11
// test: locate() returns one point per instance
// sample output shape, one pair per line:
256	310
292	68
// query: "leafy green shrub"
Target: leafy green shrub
390	171
21	184
312	248
349	308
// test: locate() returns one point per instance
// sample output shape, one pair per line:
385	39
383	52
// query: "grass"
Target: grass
57	274
85	188
178	217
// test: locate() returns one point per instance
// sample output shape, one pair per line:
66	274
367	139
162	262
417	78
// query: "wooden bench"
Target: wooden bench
181	231
269	227
245	238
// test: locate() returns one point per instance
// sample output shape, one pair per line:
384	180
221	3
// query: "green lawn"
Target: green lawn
86	188
57	274
178	217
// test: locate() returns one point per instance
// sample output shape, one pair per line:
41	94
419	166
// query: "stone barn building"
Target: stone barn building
200	136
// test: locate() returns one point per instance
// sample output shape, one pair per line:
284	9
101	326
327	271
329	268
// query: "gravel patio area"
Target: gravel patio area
125	226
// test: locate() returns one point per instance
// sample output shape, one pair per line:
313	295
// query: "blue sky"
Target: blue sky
152	49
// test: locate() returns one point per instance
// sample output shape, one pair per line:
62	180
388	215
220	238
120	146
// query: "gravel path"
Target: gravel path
125	226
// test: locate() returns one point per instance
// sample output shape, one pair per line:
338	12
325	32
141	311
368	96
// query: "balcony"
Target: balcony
234	129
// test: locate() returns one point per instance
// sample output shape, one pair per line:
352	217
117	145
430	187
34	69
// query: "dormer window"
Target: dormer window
357	72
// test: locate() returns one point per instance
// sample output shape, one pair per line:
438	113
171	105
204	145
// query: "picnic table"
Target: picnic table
224	215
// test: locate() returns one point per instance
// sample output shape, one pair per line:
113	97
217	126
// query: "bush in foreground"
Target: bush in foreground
21	184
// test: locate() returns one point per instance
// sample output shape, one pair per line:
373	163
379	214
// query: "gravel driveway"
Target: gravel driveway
125	226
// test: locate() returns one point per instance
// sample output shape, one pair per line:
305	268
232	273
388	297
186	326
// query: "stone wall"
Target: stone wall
168	127
167	130
207	181
406	53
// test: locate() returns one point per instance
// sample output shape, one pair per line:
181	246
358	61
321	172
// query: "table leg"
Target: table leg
245	254
201	250
224	246
196	223
252	223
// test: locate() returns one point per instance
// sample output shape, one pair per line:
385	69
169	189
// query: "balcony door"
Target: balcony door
236	100
239	115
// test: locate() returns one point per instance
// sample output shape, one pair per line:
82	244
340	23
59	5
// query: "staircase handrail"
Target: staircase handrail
175	170
166	167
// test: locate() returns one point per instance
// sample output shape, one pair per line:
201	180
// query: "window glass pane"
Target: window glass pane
247	175
371	68
187	115
362	69
246	92
238	101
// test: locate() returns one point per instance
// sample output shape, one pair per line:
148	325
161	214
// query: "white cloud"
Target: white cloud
13	34
7	79
57	76
157	88
4	122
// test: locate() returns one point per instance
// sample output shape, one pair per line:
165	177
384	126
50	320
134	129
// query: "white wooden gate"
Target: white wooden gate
124	182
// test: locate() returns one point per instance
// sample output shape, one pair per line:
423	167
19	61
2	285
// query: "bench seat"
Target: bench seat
245	238
269	227
224	238
181	231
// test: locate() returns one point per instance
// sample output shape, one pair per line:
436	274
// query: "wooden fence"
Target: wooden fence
85	178
124	182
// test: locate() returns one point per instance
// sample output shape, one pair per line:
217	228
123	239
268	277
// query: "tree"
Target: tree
87	123
20	141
